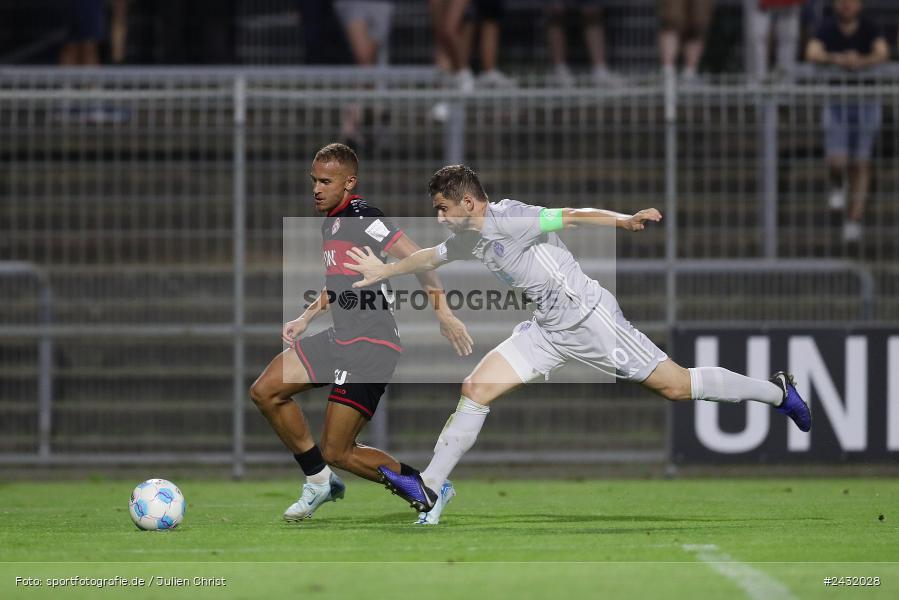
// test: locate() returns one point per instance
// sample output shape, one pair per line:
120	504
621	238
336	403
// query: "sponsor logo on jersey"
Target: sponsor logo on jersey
329	258
335	226
377	230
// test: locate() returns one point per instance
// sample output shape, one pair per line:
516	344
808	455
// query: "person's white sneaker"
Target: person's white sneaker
465	81
689	77
432	517
852	231
313	496
440	112
496	80
602	76
837	199
562	76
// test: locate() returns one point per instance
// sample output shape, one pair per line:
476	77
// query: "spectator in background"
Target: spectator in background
852	43
118	31
485	16
759	15
367	26
451	55
87	29
323	42
683	23
594	37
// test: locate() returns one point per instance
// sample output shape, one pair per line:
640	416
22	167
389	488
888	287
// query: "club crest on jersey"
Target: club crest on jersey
335	226
499	249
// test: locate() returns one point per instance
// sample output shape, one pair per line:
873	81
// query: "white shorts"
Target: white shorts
604	340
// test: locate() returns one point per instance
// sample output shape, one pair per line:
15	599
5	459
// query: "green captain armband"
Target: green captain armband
551	220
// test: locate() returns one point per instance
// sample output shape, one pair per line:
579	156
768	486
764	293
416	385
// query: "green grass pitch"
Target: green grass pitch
764	538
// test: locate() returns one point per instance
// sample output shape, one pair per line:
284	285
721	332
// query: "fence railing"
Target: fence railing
152	201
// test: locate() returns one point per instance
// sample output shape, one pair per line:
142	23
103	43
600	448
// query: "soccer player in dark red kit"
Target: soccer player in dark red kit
357	355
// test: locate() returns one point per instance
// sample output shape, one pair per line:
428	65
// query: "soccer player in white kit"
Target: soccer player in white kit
576	319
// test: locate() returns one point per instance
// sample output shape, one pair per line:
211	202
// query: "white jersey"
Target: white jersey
512	247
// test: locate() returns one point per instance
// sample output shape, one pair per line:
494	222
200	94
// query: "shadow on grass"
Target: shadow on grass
401	523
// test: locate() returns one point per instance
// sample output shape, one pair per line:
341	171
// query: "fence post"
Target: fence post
45	370
454	134
670	196
768	139
239	193
670	98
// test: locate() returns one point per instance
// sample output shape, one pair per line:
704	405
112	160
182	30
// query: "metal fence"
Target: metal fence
141	240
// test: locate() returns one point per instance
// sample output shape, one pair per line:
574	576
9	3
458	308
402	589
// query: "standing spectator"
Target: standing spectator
594	37
367	26
86	30
89	26
683	22
485	18
759	15
323	42
852	43
199	32
451	54
118	31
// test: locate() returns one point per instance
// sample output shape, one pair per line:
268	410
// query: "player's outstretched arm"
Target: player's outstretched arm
451	327
294	329
374	270
559	218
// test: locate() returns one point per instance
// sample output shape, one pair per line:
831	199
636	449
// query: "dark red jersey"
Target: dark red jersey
365	314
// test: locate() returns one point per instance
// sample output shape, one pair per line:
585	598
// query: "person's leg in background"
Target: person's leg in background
864	132
87	28
671	25
490	14
595	39
698	20
787	31
758	23
557	42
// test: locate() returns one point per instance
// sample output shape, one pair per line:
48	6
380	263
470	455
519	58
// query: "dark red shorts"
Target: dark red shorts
357	371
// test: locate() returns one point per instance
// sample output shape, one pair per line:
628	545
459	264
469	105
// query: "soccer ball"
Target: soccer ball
156	504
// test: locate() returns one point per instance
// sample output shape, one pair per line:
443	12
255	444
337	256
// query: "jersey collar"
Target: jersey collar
343	205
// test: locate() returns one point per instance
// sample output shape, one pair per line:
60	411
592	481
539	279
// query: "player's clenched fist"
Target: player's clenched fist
638	220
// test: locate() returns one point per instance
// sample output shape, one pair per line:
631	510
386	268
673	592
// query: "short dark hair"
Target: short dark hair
454	181
339	153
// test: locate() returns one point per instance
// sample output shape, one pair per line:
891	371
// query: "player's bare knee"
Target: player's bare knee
478	392
265	397
258	394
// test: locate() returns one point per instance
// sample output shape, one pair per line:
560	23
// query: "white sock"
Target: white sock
717	384
458	435
322	477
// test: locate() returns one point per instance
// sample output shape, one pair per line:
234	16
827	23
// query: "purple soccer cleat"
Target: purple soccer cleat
410	488
793	405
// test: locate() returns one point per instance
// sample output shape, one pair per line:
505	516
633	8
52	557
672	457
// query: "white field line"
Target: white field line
757	584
